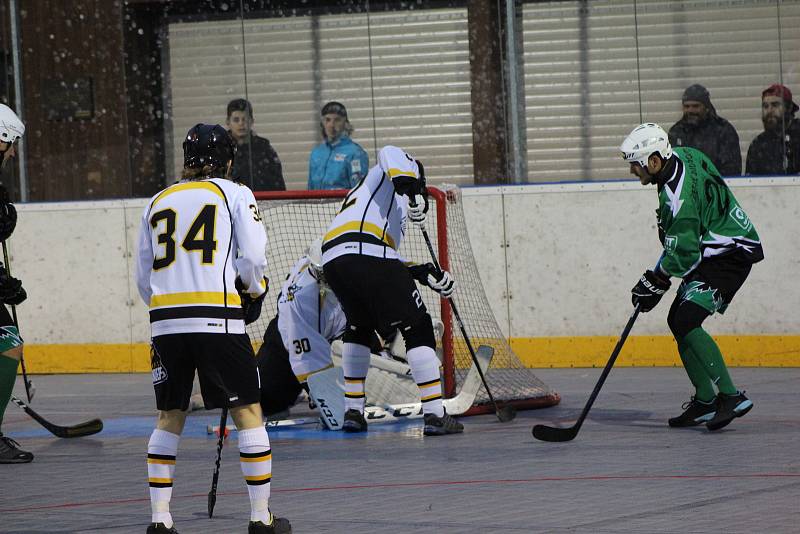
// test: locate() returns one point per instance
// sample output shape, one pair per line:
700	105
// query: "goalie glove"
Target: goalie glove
436	279
251	306
649	290
11	290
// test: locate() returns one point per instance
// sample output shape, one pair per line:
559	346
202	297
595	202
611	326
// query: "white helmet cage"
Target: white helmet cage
11	127
315	258
644	140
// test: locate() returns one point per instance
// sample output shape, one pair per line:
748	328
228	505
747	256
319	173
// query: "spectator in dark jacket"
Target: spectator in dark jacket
256	163
776	150
703	129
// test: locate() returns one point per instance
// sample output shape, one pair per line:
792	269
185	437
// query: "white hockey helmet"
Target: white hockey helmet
315	258
11	127
644	140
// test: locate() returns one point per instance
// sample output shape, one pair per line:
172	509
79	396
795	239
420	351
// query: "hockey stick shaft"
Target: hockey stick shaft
508	414
28	384
212	494
75	431
547	433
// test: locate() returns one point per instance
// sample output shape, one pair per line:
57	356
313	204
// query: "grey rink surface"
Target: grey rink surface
626	472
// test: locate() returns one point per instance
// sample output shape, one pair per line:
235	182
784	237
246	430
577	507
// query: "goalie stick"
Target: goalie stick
327	390
75	431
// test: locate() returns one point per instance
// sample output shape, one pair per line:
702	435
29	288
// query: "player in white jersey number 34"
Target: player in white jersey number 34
200	269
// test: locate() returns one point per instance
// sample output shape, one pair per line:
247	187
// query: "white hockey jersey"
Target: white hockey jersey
309	318
372	219
195	238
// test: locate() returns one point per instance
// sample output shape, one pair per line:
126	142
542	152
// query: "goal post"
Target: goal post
293	219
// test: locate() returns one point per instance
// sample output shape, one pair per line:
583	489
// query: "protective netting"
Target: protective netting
294	219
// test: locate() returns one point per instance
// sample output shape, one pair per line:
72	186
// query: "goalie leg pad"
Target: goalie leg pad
419	334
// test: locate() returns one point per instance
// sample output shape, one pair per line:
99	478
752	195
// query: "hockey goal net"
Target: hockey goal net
293	219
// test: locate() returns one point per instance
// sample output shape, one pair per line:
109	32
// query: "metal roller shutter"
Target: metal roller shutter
582	96
418	77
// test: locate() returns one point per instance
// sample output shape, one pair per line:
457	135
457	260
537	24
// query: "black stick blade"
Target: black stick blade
82	429
212	500
506	413
553	434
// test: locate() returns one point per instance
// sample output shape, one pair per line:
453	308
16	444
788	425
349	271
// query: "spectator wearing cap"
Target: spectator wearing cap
256	164
338	162
776	150
703	129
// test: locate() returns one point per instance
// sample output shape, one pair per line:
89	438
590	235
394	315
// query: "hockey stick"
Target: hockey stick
327	390
30	389
212	494
550	433
507	412
277	423
76	431
555	434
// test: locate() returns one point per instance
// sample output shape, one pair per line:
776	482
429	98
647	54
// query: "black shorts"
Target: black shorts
375	293
5	317
713	284
225	364
279	385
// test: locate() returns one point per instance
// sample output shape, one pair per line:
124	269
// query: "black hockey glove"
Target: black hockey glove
11	290
649	290
436	279
251	306
8	220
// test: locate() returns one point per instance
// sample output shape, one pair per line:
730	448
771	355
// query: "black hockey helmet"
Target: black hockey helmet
208	144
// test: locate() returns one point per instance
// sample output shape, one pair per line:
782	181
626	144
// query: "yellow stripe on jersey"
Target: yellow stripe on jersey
190	185
431	397
401	172
159	480
356	226
194	297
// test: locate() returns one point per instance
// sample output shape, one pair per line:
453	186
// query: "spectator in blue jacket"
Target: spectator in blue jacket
338	162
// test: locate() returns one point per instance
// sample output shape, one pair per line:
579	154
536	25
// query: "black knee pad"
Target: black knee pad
685	317
359	336
419	334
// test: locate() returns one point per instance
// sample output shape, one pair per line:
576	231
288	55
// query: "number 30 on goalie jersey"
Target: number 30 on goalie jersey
195	238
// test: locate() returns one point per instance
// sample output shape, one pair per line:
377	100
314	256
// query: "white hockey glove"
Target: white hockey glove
417	208
438	280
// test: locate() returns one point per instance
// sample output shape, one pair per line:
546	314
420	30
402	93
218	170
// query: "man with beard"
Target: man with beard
703	129
776	150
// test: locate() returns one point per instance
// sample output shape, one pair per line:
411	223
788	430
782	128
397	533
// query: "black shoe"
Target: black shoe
161	528
439	426
280	525
354	421
728	408
10	453
697	412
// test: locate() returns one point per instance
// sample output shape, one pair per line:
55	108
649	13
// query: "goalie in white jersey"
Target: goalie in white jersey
376	288
200	269
297	342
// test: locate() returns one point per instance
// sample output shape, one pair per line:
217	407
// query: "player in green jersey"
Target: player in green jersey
711	244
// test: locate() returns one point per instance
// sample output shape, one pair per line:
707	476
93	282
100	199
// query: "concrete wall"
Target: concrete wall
557	262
